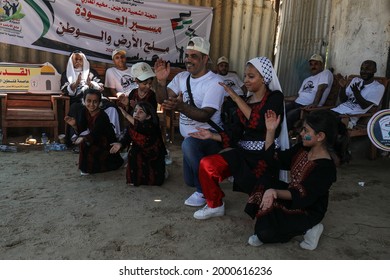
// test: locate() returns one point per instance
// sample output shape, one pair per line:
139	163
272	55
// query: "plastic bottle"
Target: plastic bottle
7	148
54	147
44	139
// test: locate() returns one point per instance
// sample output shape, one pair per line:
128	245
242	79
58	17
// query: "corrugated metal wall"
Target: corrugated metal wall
304	26
241	30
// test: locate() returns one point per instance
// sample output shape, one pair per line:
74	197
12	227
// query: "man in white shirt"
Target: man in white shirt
207	98
229	78
361	94
118	79
313	92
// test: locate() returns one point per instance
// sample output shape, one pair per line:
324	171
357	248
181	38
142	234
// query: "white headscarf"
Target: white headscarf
70	71
264	66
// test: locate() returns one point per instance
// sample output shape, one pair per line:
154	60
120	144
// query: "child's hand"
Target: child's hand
123	99
271	120
230	91
79	140
268	199
133	103
115	147
70	120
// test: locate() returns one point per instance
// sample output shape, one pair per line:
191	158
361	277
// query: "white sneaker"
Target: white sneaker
254	241
207	212
84	173
311	237
196	200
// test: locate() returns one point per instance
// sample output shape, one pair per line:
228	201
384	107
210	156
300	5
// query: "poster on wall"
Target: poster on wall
34	78
145	29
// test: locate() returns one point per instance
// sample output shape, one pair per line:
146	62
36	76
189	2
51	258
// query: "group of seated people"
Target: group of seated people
357	97
253	148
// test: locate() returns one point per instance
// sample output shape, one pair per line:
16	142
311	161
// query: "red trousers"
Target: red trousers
213	170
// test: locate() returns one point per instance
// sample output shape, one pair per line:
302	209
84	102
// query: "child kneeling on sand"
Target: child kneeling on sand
283	210
146	157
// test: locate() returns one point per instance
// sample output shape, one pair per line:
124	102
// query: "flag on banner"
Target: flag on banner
177	23
142	28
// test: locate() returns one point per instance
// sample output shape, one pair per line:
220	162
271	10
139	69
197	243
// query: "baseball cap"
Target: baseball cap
118	51
142	71
199	44
316	57
222	59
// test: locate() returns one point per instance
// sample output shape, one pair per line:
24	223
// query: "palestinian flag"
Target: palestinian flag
177	23
186	17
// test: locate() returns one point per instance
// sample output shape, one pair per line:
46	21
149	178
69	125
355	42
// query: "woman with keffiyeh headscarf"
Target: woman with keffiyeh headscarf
242	157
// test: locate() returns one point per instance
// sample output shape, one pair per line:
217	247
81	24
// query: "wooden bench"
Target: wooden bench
31	110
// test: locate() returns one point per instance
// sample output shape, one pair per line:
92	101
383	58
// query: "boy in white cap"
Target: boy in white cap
143	76
230	79
313	92
207	98
118	79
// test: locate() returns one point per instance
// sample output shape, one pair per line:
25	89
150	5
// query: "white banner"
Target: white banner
145	29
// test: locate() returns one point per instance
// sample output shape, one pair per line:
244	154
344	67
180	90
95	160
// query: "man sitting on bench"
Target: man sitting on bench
361	94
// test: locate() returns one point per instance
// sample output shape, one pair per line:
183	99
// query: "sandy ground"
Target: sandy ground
48	211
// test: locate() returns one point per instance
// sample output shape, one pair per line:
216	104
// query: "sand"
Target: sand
48	211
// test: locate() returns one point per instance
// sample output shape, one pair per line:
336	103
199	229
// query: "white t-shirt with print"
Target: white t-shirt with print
120	80
309	87
232	80
372	92
206	93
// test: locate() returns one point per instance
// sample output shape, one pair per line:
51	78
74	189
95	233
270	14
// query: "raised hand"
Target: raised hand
162	69
230	91
271	120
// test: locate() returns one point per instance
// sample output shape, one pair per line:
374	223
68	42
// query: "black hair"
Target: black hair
336	133
149	110
92	91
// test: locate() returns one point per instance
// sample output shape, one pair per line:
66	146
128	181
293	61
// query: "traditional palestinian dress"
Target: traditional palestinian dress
146	158
309	187
247	138
95	154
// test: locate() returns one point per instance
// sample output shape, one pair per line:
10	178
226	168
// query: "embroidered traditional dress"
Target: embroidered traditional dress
95	154
247	138
309	187
146	159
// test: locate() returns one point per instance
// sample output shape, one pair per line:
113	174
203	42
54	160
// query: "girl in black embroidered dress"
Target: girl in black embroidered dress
283	210
95	134
242	156
146	158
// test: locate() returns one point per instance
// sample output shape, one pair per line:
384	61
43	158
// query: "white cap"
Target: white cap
118	51
316	57
199	44
222	59
142	71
